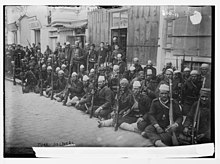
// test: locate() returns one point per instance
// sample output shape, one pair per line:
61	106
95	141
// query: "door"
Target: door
121	34
37	36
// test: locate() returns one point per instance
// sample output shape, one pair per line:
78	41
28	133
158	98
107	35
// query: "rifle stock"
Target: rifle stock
174	138
91	107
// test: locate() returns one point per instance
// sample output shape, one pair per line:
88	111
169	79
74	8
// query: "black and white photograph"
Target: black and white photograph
111	76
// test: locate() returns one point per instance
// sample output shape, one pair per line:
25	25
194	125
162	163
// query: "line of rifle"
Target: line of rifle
195	125
52	77
117	105
174	138
92	103
41	79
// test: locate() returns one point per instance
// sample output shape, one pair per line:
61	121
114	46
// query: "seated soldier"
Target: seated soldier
66	72
47	82
75	89
133	120
160	131
204	126
85	102
139	78
82	72
102	99
130	74
137	66
31	80
122	65
113	79
124	100
59	88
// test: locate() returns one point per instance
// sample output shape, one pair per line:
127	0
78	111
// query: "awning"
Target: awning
12	27
77	24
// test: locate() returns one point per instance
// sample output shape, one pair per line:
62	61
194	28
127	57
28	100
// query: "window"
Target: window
120	19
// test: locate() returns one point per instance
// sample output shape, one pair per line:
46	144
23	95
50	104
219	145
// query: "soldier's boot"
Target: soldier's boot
105	123
159	143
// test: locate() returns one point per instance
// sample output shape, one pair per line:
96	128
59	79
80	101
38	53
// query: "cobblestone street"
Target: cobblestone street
32	120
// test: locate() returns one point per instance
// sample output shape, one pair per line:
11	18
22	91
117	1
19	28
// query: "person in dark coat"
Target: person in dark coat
191	89
130	74
204	126
31	80
122	65
205	74
186	74
160	130
102	54
92	57
132	119
137	66
115	53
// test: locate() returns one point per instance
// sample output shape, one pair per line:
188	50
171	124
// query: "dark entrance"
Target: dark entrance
121	34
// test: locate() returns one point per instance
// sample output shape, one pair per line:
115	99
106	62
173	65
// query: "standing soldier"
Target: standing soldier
204	69
92	57
68	54
122	65
191	90
177	85
203	126
186	74
77	57
125	102
48	51
160	131
57	48
115	53
102	54
61	55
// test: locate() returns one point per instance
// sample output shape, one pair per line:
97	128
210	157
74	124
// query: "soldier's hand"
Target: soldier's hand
172	128
159	130
140	119
185	131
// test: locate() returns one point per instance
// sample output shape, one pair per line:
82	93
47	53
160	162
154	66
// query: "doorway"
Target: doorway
121	34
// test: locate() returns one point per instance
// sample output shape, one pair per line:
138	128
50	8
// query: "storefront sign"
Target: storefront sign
34	24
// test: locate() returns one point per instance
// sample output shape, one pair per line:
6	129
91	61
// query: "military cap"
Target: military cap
204	65
186	69
205	91
85	78
49	68
60	72
149	62
57	69
124	81
119	55
136	84
132	68
92	70
135	59
44	66
176	71
115	67
194	72
169	69
74	74
67	43
63	66
82	66
101	78
164	87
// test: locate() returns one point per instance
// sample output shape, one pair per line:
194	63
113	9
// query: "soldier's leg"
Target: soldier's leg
104	113
106	123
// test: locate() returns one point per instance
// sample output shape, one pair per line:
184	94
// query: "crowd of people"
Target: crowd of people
165	108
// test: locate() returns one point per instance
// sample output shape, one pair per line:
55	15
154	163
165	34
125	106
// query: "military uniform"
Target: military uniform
76	89
159	114
102	53
150	87
31	81
92	58
77	58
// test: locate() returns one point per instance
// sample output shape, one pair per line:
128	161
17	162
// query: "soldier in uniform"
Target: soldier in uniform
75	89
102	99
60	86
140	78
204	70
85	102
191	90
122	65
177	85
132	120
130	74
47	51
113	79
31	80
203	130
77	57
137	66
159	132
115	53
47	83
125	102
92	57
186	74
102	54
82	72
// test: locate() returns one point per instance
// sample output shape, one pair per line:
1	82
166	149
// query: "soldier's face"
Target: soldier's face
136	90
164	95
101	45
74	78
204	71
204	99
169	75
100	84
141	76
194	78
187	73
149	77
123	86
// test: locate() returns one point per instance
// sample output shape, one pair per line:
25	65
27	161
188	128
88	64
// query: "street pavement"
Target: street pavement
33	120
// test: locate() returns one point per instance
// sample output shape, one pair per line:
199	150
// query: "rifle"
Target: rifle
87	62
52	74
66	88
14	81
195	125
117	105
29	43
92	102
41	80
174	138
